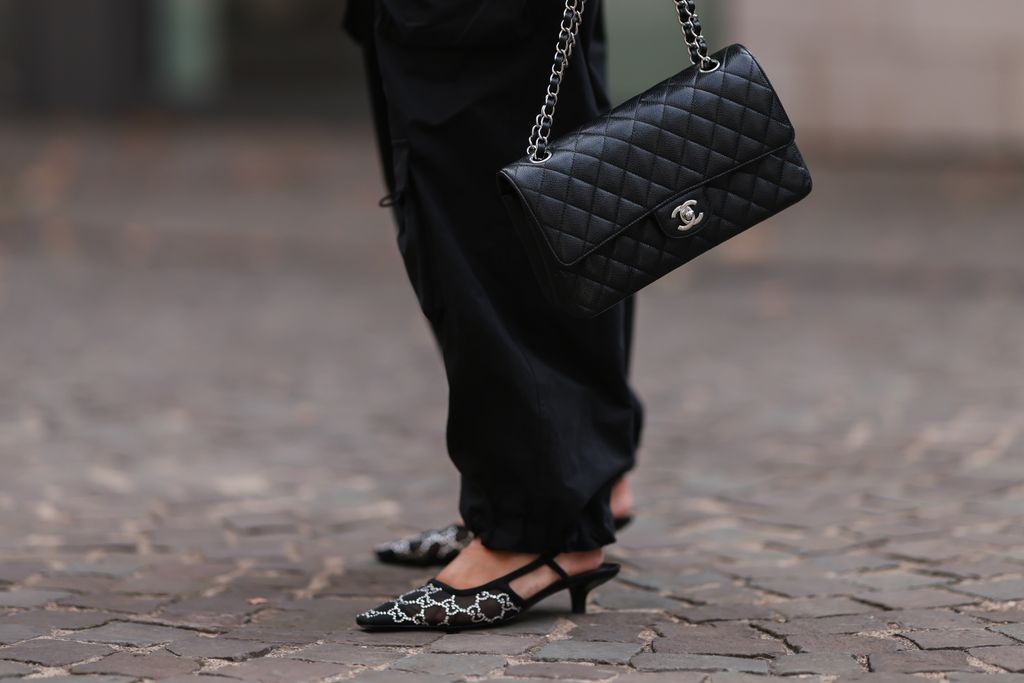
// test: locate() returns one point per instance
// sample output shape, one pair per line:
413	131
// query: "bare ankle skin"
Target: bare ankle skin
622	500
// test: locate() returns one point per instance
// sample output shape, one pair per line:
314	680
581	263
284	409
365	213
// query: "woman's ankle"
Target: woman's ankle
478	564
579	562
622	499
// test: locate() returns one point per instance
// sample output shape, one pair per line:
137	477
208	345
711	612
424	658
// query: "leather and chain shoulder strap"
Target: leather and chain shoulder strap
572	17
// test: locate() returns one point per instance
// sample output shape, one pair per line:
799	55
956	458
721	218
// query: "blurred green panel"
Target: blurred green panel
645	43
190	43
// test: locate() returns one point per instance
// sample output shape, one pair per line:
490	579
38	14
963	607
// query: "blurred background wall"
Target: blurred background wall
912	78
935	78
202	56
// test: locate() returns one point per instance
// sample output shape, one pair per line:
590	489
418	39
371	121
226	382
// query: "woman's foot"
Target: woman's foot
478	565
483	587
437	547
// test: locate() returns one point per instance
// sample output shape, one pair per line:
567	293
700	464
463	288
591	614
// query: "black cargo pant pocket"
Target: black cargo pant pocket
413	234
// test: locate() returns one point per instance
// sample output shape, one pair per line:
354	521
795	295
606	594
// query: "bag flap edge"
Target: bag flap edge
507	179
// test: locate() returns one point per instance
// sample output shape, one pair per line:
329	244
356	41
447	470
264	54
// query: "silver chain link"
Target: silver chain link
689	24
692	31
571	20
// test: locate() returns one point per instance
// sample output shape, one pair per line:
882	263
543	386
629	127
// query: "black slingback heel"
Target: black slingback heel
427	548
436	605
438	547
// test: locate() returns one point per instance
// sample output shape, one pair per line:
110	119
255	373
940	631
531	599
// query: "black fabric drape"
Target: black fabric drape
542	420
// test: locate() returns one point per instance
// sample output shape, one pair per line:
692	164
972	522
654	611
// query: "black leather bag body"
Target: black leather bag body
616	204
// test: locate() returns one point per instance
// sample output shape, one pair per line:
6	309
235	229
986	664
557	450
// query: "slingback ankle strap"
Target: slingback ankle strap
542	561
525	569
550	561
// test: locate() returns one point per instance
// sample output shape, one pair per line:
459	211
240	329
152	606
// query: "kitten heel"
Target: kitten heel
582	584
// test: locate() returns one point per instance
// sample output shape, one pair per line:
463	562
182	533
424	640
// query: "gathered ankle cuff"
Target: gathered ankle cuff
537	525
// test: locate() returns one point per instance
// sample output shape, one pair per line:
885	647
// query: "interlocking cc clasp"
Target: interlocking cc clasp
688	216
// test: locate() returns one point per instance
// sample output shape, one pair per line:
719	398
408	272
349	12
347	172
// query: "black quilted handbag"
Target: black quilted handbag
619	202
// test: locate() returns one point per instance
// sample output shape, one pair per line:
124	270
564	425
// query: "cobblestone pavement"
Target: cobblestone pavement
216	394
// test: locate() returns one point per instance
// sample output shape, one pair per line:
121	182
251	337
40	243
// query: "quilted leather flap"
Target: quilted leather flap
607	175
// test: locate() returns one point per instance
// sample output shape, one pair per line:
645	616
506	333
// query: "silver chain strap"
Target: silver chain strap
570	27
689	24
692	30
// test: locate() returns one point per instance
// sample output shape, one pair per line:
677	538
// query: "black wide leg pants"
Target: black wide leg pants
542	420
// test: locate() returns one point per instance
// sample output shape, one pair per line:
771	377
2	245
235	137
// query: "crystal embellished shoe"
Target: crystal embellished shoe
438	606
427	548
436	547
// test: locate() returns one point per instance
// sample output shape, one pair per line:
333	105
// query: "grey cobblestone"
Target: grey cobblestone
14	570
484	643
731	612
53	618
880	678
1010	658
449	664
139	665
14	669
407	639
964	638
821	607
560	670
203	647
997	614
898	581
402	677
539	623
677	662
920	662
29	598
632	599
217	612
338	653
1000	591
979	569
672	677
268	670
49	652
932	619
618	627
838	625
846	644
588	651
726	639
129	633
921	598
816	663
114	603
207	421
732	677
1015	631
13	633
